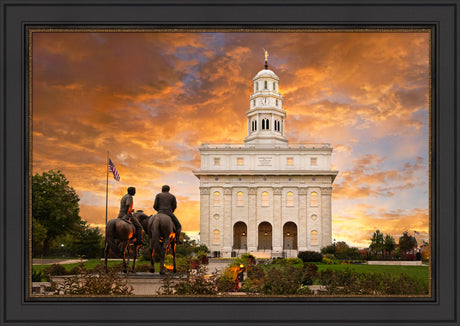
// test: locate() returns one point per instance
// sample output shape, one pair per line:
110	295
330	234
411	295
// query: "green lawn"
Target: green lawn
419	273
91	263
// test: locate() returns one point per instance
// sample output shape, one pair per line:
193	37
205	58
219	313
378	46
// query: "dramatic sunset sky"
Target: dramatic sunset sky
151	99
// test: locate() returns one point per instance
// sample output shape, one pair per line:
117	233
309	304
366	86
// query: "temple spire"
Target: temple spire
266	59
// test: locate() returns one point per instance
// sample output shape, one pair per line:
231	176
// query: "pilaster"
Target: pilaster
303	220
326	216
204	216
228	230
252	219
277	221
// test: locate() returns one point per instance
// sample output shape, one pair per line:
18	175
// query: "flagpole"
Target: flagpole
107	187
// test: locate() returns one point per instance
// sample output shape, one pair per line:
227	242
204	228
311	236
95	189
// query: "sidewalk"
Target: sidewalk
44	261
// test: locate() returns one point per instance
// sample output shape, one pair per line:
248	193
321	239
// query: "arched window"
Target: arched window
265	198
274	86
216	237
240	199
265	124
255	125
265	85
257	86
290	199
216	198
313	199
276	102
314	237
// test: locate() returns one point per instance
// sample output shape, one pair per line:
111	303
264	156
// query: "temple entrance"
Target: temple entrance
240	236
290	236
264	237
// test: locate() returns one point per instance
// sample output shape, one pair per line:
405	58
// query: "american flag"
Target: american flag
113	169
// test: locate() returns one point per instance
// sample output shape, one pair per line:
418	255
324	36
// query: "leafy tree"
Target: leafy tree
332	249
389	244
54	205
377	244
38	237
407	243
89	241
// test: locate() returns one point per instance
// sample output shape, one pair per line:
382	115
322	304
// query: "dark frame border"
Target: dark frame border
441	15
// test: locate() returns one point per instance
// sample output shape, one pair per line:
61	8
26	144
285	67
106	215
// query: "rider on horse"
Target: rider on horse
126	213
166	203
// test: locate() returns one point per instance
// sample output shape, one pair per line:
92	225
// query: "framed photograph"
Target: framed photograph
284	129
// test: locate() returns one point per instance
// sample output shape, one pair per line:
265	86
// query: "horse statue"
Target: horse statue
162	233
119	235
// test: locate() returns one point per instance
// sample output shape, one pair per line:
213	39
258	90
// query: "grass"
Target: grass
91	263
419	273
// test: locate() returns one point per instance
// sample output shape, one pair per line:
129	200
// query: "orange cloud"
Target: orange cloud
158	96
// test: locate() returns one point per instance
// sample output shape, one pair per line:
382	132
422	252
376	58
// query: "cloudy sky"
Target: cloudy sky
151	99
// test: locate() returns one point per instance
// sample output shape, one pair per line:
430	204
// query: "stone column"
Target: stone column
252	219
204	216
326	216
228	227
303	219
277	223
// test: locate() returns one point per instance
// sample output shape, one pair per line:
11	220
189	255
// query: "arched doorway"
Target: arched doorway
290	236
264	237
240	236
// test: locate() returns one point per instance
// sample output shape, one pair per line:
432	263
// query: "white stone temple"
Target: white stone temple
266	196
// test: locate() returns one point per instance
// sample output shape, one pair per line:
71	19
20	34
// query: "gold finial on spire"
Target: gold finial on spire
266	59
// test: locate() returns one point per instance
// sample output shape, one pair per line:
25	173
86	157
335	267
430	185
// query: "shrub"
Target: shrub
55	270
310	256
310	273
332	249
37	276
245	259
349	282
228	281
189	282
95	282
293	262
281	281
328	261
409	257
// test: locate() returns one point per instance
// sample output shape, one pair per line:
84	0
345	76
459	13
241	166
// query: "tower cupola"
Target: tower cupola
266	115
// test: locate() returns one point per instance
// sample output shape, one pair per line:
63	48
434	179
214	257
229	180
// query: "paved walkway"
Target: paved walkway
40	261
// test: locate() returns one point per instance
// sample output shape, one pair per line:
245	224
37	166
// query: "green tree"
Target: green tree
377	242
54	205
407	243
389	244
38	237
89	241
331	249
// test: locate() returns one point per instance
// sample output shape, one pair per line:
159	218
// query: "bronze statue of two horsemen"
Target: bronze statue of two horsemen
160	228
